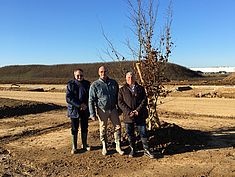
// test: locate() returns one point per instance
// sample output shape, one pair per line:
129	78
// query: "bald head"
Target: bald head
103	71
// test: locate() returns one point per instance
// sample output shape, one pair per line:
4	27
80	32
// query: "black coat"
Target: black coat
129	101
76	94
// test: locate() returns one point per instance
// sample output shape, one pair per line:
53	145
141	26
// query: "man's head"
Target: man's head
78	74
103	72
130	78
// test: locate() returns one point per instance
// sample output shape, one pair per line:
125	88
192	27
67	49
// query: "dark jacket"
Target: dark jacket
77	93
129	101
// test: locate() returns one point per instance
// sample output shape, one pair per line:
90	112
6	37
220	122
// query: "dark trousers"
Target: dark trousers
81	122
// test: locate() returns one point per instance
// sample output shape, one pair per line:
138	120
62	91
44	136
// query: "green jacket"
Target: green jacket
103	95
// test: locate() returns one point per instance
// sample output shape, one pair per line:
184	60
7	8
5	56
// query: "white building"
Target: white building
218	69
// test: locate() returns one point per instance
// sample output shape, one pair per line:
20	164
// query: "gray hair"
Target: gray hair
130	73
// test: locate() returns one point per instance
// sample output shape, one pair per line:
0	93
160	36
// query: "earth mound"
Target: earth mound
230	78
11	107
61	74
177	72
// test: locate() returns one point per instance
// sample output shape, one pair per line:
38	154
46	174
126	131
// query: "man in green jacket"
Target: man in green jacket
103	102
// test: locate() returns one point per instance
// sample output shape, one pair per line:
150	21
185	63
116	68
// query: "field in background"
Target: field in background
38	143
197	137
61	74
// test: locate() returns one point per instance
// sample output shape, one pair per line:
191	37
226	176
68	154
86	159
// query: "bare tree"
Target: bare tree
150	59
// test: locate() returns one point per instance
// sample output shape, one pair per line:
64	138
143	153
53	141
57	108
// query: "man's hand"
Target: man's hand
132	114
94	118
136	112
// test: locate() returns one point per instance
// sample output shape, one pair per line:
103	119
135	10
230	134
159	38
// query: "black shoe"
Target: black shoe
86	147
149	154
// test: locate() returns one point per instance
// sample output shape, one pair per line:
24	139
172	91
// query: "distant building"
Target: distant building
211	70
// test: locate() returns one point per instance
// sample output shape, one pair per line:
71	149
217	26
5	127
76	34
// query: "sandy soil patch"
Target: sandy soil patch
39	144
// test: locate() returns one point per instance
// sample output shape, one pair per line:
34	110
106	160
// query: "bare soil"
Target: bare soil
197	138
12	107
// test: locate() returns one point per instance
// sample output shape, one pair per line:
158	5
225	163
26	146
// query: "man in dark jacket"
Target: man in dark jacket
133	101
77	94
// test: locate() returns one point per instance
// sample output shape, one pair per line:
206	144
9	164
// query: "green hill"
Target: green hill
60	74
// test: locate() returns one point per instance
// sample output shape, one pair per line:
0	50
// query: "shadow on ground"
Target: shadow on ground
173	139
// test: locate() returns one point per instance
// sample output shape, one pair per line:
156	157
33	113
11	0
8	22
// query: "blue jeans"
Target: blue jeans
130	129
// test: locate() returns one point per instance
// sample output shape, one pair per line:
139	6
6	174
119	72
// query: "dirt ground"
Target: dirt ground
200	141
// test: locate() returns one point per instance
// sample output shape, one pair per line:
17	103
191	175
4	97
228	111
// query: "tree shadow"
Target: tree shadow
173	139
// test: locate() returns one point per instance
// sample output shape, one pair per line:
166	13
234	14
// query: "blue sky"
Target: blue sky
69	31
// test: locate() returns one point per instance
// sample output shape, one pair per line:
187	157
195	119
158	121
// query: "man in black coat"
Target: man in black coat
133	101
77	94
